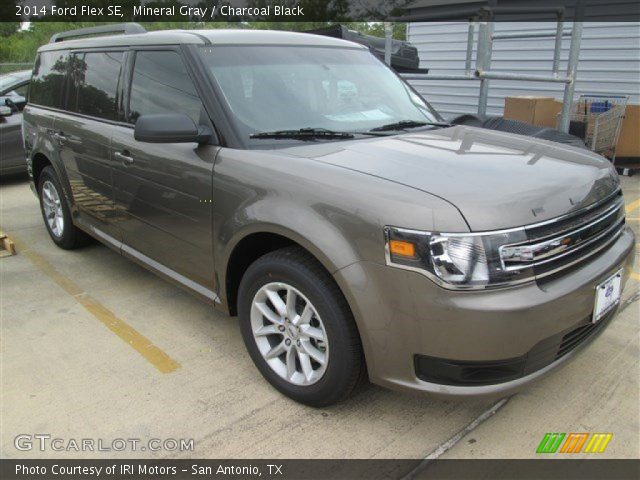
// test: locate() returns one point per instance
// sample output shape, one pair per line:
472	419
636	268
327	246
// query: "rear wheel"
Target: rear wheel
56	213
298	328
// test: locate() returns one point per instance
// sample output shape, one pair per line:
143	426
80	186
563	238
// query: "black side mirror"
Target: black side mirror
11	104
169	128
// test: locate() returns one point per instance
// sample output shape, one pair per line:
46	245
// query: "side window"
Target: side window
160	84
48	79
94	84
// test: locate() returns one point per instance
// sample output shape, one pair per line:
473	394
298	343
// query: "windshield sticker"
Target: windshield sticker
359	116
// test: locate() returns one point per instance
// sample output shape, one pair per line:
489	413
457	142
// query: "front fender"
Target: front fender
322	239
256	192
336	213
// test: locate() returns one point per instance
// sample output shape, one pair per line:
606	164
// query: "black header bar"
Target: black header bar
335	11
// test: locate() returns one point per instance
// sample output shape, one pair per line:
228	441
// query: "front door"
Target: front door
164	189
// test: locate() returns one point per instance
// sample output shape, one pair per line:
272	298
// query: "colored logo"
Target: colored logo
574	442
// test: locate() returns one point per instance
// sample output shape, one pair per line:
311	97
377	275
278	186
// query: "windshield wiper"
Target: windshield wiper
303	134
403	124
311	133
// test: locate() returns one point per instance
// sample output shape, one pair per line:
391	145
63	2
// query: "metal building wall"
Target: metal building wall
609	63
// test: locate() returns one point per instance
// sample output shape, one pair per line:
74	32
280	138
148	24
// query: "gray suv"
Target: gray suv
295	181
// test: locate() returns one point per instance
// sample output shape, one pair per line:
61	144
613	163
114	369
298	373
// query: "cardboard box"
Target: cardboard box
545	111
539	111
629	140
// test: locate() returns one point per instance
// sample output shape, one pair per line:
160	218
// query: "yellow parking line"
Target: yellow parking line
159	359
632	206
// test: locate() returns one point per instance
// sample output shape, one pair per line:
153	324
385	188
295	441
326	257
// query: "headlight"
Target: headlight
456	260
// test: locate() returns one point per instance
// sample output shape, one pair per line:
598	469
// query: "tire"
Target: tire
287	270
56	213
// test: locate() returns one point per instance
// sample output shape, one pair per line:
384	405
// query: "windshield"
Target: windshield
8	81
271	88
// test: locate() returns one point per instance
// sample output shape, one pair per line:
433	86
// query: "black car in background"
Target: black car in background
13	93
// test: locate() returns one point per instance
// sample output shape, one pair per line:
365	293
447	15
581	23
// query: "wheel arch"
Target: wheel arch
253	244
38	163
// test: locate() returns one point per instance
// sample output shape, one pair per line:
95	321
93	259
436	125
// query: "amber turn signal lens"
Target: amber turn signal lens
402	248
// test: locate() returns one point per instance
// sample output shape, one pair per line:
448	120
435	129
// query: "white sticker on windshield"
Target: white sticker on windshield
359	116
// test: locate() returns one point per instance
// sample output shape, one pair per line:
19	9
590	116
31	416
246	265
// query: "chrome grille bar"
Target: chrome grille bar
568	225
564	242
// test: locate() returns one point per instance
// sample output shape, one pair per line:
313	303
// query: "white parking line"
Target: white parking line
443	447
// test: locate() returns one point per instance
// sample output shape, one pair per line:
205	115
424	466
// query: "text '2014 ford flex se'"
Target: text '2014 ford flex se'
296	181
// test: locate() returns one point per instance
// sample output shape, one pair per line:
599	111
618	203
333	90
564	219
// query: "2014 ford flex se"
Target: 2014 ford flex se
295	181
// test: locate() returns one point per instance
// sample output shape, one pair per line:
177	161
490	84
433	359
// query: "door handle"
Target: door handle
60	137
124	157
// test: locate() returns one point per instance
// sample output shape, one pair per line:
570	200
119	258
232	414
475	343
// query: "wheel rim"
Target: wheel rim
52	208
289	333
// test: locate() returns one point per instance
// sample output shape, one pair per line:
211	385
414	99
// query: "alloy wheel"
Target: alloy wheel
289	333
52	206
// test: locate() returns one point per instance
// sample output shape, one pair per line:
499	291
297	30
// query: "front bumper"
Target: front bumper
402	315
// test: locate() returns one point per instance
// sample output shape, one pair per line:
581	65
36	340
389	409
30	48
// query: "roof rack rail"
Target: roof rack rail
122	28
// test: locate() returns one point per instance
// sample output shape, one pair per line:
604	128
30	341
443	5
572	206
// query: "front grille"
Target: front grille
553	348
576	220
553	246
575	337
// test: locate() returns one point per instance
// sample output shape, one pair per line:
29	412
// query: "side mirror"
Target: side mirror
169	128
5	111
16	106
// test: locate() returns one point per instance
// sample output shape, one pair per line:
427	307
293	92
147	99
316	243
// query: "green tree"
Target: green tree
21	46
8	10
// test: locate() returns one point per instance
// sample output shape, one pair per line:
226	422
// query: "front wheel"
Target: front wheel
298	328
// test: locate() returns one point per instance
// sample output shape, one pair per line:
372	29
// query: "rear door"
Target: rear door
46	99
83	135
164	189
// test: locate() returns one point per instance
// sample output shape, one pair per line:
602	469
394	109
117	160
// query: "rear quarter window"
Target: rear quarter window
47	84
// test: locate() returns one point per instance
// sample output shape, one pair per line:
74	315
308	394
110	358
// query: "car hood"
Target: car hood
497	180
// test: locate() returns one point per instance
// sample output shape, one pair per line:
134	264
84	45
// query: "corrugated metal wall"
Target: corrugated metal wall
609	63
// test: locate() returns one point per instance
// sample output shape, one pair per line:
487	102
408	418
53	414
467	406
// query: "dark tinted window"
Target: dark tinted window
94	86
48	79
160	84
22	90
